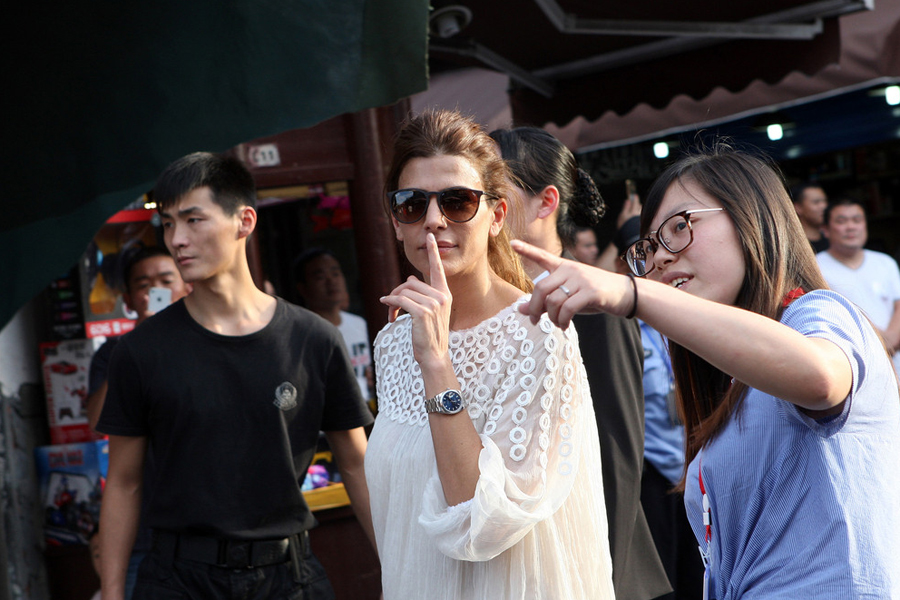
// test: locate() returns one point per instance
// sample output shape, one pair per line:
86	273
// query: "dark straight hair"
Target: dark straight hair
537	160
139	255
230	183
777	259
799	189
307	256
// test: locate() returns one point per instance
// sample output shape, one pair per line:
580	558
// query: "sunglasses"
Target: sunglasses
456	204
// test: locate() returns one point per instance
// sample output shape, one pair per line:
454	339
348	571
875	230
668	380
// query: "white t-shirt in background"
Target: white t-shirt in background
874	286
356	336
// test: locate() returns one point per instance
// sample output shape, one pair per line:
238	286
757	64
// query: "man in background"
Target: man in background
583	246
321	283
810	201
870	279
148	267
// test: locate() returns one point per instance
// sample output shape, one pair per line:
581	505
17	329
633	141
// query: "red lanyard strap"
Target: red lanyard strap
707	511
707	520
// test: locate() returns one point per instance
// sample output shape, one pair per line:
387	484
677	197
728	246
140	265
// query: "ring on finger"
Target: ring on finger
565	290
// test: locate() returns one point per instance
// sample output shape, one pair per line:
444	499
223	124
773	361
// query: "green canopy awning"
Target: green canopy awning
107	93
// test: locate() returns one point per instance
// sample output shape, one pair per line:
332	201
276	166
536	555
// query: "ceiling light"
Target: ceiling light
661	150
774	124
892	94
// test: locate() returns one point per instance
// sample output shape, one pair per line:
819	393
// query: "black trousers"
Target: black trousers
672	534
164	576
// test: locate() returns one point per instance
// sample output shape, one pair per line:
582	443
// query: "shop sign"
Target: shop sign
264	155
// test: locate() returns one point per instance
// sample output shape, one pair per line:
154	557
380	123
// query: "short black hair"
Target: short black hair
843	201
799	189
570	234
140	254
305	258
230	183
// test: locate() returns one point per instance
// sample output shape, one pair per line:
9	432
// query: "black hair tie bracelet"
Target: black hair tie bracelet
634	305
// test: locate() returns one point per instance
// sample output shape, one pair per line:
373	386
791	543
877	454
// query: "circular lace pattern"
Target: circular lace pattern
503	365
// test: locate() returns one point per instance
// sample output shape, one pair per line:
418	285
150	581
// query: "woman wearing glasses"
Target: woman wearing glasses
791	409
484	463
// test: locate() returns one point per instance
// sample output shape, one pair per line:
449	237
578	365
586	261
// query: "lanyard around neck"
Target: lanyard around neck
707	511
706	554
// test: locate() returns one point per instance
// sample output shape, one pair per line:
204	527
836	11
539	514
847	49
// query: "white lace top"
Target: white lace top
536	528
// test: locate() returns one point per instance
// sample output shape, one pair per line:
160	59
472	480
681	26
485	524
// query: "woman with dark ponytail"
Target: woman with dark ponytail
557	197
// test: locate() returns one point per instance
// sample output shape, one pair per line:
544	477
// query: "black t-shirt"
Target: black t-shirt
100	364
232	421
820	245
98	375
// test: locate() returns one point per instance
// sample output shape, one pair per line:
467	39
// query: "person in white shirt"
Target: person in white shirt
869	279
321	283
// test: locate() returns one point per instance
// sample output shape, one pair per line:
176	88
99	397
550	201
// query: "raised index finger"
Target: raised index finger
436	277
540	256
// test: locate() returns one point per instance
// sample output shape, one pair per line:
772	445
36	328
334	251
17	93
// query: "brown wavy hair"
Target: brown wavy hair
449	133
777	259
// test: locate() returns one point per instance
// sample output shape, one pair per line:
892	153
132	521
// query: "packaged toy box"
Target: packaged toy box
66	366
72	478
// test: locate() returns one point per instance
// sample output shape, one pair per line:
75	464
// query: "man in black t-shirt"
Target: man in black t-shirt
810	202
229	388
148	267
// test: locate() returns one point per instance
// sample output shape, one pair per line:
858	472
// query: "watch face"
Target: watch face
451	401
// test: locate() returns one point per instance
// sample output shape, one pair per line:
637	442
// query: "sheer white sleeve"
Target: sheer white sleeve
527	393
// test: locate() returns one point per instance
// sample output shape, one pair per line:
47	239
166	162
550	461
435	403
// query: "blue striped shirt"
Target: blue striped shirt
806	509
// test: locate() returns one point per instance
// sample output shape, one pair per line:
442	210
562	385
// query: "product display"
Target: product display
66	366
72	478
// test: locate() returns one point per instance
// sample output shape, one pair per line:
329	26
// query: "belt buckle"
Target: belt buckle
235	554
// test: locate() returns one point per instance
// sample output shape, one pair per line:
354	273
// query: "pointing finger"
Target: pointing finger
537	255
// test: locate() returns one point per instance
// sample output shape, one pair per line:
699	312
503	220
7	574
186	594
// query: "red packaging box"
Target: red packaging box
66	365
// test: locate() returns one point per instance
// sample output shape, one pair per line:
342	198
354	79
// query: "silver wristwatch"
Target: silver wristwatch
448	402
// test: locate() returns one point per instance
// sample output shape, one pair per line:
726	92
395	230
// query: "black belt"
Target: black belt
228	553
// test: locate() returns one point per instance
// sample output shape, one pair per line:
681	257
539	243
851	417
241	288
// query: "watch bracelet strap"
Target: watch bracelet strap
432	405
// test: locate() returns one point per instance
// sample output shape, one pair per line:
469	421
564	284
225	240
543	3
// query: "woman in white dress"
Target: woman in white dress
484	464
